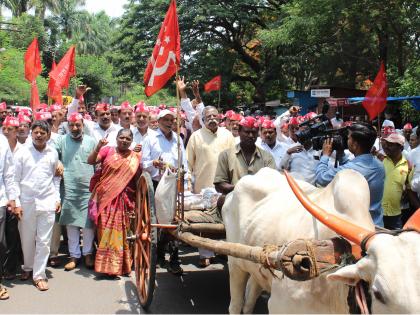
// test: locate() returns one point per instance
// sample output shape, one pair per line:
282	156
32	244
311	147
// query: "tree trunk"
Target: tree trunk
400	54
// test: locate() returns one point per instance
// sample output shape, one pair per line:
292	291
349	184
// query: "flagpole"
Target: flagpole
218	104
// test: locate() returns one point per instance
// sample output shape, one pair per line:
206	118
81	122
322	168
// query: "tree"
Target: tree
41	6
14	88
206	26
17	7
97	73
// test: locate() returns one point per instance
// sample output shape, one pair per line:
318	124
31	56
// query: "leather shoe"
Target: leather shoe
71	264
54	262
89	261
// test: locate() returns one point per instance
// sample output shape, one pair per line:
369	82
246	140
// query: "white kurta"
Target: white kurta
203	151
38	192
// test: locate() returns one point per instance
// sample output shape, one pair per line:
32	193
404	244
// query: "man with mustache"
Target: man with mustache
125	113
245	158
38	200
104	127
203	150
73	150
159	150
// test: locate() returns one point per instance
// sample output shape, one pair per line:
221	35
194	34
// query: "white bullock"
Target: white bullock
263	210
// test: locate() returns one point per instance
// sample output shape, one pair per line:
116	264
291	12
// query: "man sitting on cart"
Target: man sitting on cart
245	158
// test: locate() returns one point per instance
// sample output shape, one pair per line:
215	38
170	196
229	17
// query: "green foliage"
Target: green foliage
97	73
135	94
13	86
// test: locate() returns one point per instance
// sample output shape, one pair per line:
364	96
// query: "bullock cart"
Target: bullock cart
299	260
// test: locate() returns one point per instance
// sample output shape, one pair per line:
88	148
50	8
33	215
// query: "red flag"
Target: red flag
34	96
166	55
375	99
32	61
65	69
54	91
214	84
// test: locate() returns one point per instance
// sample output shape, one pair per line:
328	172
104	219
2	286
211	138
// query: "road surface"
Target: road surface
82	291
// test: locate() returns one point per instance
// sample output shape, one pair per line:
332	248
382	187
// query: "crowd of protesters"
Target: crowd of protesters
65	171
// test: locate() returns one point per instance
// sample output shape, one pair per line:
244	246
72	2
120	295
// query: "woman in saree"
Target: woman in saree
112	202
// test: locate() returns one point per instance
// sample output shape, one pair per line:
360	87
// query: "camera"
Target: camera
319	129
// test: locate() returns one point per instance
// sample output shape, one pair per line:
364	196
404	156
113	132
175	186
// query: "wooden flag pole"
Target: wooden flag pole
218	103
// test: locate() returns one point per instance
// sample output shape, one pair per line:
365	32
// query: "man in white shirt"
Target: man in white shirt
39	197
203	151
336	121
10	126
301	161
8	195
142	131
270	143
104	128
161	150
24	128
414	159
188	106
125	114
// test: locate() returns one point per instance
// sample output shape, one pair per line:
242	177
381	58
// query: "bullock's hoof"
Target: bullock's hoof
204	262
175	268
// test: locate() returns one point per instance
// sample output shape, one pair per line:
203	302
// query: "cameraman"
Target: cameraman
360	141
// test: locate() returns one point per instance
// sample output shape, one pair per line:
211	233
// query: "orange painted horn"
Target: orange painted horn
414	221
348	230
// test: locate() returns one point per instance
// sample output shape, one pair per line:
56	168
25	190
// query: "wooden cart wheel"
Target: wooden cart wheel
146	240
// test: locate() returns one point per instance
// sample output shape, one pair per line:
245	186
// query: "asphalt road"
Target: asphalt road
82	291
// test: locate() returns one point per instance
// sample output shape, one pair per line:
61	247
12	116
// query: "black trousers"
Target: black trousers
392	222
13	245
2	239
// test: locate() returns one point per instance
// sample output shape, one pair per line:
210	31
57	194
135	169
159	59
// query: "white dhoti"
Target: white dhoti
35	229
73	235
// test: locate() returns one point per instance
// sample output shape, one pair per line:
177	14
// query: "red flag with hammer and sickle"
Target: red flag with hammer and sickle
166	56
214	84
375	99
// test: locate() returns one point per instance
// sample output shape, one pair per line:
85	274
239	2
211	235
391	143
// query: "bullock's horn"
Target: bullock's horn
414	221
348	230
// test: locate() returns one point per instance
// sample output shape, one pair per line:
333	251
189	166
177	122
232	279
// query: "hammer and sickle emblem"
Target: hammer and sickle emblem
157	71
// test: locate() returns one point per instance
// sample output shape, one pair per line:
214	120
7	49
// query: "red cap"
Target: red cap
229	114
23	119
54	107
347	123
386	131
408	126
249	122
125	105
73	117
162	106
25	111
294	121
268	124
3	106
11	121
42	116
235	116
102	107
309	115
87	117
142	108
42	107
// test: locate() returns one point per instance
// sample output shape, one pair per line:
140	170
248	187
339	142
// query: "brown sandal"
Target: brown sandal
41	284
25	275
4	295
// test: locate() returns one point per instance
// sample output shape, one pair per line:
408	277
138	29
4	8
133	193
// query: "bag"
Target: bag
165	197
95	179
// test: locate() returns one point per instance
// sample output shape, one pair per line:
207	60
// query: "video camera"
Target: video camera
319	129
